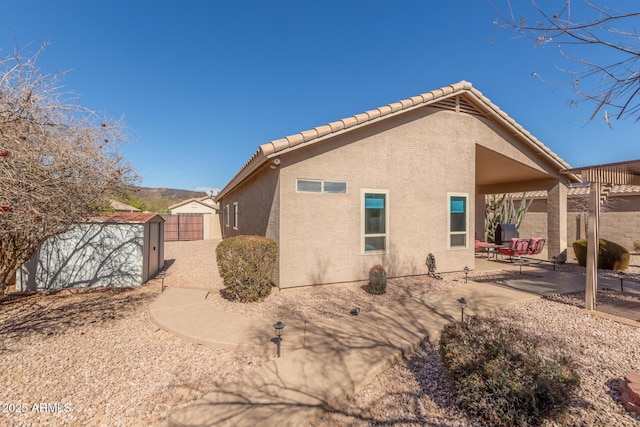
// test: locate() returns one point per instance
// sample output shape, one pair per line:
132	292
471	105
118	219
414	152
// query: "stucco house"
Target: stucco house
208	223
118	249
198	205
389	186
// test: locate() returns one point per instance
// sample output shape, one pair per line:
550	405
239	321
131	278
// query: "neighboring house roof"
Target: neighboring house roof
478	104
127	217
583	190
123	207
204	201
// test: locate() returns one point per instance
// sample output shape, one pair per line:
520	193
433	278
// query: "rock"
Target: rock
630	392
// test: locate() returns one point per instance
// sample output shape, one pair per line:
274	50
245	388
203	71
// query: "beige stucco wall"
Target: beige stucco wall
418	158
211	227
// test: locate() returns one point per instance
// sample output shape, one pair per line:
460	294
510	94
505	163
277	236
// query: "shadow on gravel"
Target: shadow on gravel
58	313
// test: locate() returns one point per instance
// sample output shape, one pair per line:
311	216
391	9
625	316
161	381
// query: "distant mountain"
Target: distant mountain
159	199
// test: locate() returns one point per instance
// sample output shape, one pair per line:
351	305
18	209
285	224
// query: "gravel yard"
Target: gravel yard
98	357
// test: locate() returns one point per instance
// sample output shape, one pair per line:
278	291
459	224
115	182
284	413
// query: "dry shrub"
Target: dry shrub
246	264
499	376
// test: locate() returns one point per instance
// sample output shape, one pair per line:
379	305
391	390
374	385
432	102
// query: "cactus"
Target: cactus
377	280
500	209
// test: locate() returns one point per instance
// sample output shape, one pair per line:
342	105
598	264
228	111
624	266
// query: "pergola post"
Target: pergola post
591	286
557	221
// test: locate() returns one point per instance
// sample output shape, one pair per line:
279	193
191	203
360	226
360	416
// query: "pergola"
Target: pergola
601	179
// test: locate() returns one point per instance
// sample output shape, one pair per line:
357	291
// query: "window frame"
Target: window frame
235	215
226	215
451	233
322	186
363	235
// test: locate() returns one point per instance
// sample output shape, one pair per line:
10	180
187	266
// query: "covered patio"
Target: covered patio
530	168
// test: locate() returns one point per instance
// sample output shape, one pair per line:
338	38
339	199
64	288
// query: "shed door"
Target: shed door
154	248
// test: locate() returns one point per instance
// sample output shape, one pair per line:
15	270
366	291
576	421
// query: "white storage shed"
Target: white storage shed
118	249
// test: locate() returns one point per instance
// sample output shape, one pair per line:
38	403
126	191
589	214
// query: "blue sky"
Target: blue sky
201	84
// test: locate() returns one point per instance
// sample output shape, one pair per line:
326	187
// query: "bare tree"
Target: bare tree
59	162
607	72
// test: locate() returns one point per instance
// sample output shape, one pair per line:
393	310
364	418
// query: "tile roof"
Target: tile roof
301	139
120	206
583	190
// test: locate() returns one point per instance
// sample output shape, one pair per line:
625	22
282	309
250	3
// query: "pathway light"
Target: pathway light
621	277
463	303
279	326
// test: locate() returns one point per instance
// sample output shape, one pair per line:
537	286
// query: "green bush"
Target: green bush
611	256
246	265
499	376
377	280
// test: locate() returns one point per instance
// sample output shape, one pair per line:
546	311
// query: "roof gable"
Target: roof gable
460	97
200	200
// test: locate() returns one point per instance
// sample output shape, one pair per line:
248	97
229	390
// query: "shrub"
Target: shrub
377	280
499	377
246	265
611	256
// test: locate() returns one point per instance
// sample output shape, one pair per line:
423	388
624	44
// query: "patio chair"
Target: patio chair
536	245
517	247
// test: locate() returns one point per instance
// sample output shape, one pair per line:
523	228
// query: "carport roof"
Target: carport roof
620	173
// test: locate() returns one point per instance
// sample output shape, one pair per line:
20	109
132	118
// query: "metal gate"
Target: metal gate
183	227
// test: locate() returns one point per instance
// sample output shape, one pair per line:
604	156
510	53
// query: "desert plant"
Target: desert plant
246	264
377	280
611	256
499	377
501	209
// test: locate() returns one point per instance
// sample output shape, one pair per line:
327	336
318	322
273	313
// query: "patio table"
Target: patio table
491	248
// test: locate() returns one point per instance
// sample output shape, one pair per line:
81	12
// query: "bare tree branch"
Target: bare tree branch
612	83
59	162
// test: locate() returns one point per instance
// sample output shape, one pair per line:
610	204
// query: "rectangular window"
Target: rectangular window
226	215
318	186
457	220
307	186
235	215
375	221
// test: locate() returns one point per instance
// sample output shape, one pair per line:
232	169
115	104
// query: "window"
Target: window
226	215
318	186
457	220
375	221
235	215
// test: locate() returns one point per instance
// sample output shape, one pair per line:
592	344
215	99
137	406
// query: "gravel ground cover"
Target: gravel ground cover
94	358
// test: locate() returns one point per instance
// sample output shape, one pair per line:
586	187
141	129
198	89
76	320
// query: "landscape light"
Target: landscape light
463	304
162	275
621	277
279	326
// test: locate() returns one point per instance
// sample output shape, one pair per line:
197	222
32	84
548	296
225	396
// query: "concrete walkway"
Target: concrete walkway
324	361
